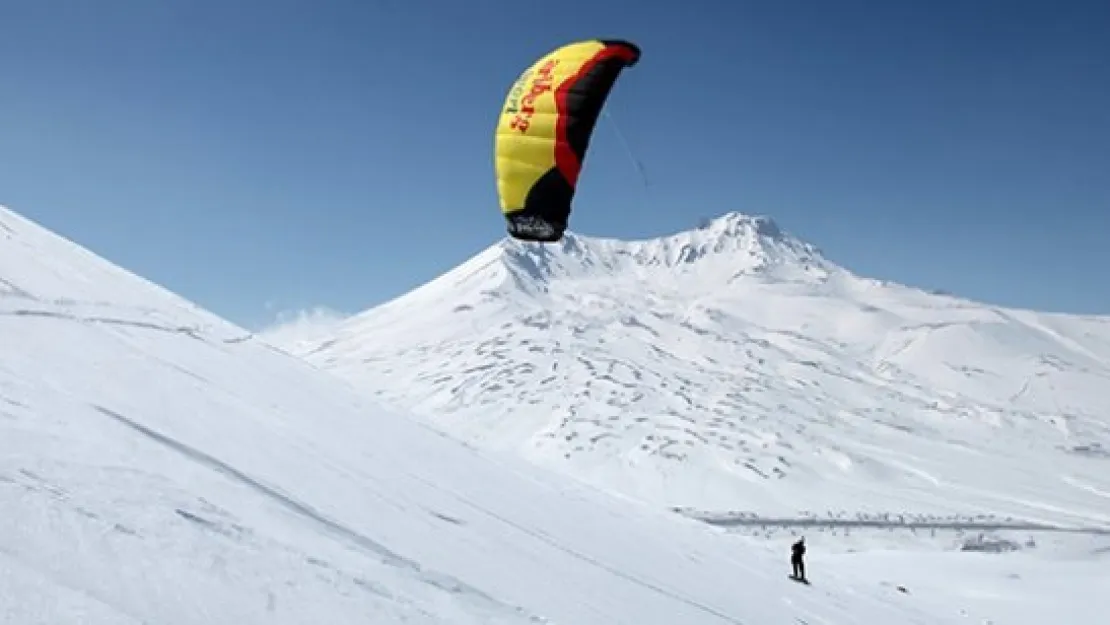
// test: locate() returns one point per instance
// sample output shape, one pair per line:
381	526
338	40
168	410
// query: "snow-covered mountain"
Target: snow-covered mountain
734	368
160	465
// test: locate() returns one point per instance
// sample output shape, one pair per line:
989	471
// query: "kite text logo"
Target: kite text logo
525	107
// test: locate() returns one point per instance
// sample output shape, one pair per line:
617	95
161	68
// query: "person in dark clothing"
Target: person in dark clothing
797	550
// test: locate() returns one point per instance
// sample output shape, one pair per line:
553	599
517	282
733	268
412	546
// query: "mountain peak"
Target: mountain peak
715	257
735	223
724	248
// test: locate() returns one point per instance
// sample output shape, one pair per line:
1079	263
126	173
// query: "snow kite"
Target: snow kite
544	131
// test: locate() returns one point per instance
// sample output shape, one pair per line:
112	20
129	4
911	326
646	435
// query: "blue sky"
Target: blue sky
265	156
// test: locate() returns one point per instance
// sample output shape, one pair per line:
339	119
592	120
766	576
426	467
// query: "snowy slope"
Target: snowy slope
159	465
734	368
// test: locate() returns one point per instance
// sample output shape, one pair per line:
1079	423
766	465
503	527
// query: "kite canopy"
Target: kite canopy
544	132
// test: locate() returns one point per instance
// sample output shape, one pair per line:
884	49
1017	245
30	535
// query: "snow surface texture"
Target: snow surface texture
736	373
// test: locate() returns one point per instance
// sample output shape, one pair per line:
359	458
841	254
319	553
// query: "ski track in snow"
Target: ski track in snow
159	465
388	557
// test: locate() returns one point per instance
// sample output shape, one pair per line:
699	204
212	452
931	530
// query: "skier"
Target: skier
797	550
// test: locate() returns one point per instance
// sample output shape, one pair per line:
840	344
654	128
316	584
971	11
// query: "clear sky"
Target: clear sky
260	156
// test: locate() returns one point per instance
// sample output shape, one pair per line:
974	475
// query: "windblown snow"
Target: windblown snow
160	465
